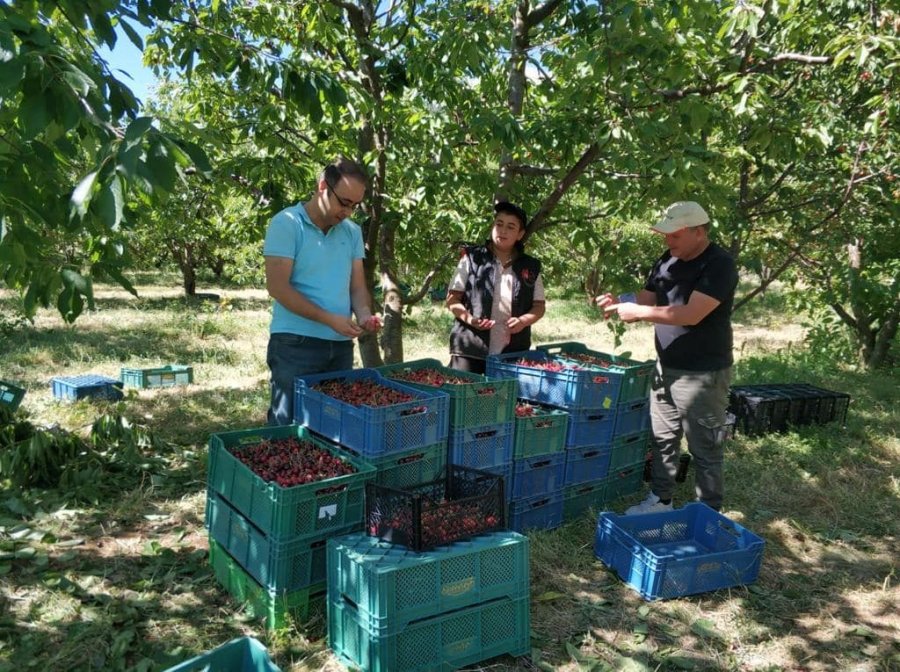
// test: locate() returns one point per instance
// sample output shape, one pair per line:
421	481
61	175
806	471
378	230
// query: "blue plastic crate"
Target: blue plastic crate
690	550
88	386
635	377
572	388
538	475
588	463
372	431
590	427
482	447
631	417
543	512
243	654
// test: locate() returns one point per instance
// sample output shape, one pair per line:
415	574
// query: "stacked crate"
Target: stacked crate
267	542
391	609
481	412
608	406
760	409
539	466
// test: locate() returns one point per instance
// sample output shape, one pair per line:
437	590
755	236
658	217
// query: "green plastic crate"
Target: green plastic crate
391	585
636	376
243	654
580	497
162	376
283	565
302	510
275	608
540	434
628	450
444	642
10	395
626	481
410	467
483	401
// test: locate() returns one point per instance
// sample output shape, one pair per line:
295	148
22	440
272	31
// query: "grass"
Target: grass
125	583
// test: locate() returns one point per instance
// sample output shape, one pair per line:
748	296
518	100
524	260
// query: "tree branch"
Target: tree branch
539	221
538	14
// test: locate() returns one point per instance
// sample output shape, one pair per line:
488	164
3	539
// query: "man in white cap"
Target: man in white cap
688	297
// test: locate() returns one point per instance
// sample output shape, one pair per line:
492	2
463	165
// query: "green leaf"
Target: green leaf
643	611
132	34
863	631
134	134
81	196
706	629
11	73
34	113
111	203
682	662
199	157
549	596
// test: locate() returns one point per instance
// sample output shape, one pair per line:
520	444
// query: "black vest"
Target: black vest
478	298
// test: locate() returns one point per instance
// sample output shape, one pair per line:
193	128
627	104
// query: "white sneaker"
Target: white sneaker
650	505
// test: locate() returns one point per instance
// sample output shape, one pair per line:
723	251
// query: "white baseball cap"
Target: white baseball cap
681	215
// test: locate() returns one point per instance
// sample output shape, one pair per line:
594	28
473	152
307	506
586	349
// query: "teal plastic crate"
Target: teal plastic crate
301	510
444	642
243	654
275	608
278	565
11	395
635	377
481	401
625	480
541	433
372	431
572	388
583	496
391	586
685	551
161	376
628	450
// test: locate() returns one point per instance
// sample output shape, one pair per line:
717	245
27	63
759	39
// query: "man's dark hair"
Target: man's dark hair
342	167
510	209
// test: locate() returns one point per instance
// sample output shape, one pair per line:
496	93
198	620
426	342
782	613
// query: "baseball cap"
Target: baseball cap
681	215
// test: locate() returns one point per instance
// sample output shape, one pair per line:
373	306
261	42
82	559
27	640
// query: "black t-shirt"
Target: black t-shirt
705	346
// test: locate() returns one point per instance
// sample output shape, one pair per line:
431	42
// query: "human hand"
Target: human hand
515	325
604	301
627	312
481	323
372	323
345	326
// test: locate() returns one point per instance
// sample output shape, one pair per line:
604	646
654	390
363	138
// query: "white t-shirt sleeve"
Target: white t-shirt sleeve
458	284
539	289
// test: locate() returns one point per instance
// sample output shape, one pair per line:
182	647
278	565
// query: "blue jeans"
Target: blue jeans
289	356
689	404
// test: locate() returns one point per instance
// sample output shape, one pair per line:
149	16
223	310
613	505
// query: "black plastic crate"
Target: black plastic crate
759	409
464	503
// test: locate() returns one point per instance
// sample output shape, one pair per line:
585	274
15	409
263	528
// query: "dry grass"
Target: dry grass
137	586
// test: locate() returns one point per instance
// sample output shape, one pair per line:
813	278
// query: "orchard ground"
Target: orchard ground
125	583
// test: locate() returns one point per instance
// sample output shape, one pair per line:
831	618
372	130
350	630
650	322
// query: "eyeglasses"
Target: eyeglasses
343	202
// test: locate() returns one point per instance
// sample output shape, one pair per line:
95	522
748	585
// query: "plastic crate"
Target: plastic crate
590	427
628	449
690	550
541	433
482	447
481	401
631	417
243	654
276	565
538	475
624	481
571	388
759	409
391	586
588	463
636	377
163	376
464	503
11	395
444	642
579	498
410	467
372	431
543	512
302	510
88	386
274	608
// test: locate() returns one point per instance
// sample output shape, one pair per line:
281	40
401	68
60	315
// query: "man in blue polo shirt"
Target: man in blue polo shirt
314	272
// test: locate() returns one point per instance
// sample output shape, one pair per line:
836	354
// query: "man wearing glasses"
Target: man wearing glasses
314	272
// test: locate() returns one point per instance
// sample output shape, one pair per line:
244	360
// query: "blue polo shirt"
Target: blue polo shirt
322	267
